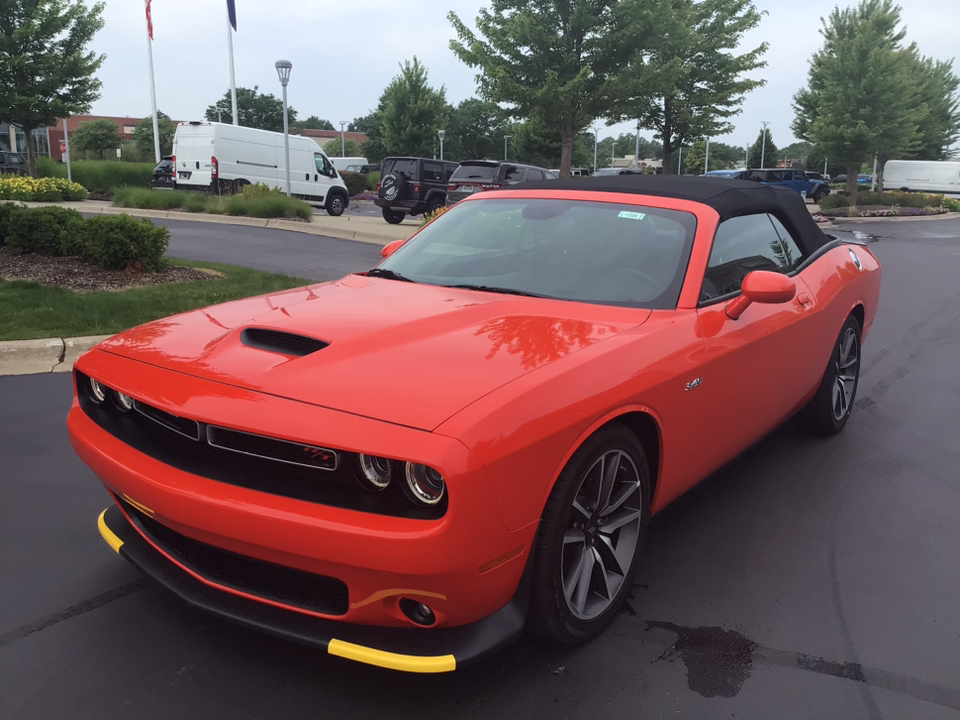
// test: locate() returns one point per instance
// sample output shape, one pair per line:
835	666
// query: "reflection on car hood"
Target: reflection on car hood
400	352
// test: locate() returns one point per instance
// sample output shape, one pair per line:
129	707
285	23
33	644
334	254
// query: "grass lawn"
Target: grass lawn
31	310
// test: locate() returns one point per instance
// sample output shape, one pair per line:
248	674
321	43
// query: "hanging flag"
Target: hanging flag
149	21
232	13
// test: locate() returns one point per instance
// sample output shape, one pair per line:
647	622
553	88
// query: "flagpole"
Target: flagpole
233	77
153	88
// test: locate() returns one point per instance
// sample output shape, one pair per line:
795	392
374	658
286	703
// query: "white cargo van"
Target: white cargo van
223	158
928	175
341	163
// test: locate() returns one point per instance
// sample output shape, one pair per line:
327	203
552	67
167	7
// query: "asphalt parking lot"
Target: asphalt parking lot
809	579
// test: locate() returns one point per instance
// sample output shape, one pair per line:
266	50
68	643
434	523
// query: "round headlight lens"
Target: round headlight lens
124	402
97	392
424	484
377	470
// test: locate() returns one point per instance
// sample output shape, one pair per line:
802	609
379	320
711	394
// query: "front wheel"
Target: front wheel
392	217
591	534
336	204
830	408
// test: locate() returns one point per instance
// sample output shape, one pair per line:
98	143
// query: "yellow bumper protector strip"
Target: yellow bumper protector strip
112	540
393	661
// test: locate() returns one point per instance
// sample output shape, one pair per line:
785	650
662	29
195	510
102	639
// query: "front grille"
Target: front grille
257	577
328	476
281	342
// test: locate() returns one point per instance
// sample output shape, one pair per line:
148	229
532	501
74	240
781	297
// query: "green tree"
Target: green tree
684	80
763	154
333	148
938	87
696	157
46	72
361	124
475	130
255	110
97	136
311	123
727	156
860	98
411	112
551	61
143	135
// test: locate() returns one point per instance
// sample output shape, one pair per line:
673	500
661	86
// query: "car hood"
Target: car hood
401	352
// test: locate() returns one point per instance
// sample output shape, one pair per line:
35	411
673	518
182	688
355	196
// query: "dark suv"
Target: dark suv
163	173
476	175
412	185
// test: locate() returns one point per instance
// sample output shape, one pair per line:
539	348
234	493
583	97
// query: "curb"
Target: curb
363	229
44	355
914	218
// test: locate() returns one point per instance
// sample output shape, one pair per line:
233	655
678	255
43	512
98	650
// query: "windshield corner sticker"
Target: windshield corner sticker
631	215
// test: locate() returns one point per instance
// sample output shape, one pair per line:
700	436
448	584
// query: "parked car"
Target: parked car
941	176
163	173
476	175
411	186
342	164
221	158
574	172
727	174
796	180
862	178
611	171
12	163
406	466
818	176
365	169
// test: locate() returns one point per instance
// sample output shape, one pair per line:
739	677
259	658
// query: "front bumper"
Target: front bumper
407	649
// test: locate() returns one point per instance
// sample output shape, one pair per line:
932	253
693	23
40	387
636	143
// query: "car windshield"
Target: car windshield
584	251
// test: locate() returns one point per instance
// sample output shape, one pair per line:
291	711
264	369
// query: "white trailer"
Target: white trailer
941	176
216	157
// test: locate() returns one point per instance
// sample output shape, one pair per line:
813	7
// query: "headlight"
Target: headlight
424	484
124	402
97	392
377	470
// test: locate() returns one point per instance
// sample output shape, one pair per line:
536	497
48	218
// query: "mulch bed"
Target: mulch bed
80	277
878	211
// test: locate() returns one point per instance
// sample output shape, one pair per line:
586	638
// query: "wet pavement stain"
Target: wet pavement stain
718	661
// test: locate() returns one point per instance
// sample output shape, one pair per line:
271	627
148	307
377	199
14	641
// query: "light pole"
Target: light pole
613	152
441	134
283	70
706	160
343	141
763	145
680	158
636	151
595	136
505	138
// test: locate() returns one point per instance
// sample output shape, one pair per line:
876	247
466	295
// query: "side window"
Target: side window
323	165
515	175
800	175
534	175
774	176
433	172
792	255
758	175
742	245
448	171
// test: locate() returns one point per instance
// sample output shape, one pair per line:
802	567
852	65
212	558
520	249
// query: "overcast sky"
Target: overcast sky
345	53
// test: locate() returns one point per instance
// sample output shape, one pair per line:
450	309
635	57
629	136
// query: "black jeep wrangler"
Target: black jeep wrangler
412	185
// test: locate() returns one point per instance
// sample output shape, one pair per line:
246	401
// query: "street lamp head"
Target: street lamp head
441	134
283	70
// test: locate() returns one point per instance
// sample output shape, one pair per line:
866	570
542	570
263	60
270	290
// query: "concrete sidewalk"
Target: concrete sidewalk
30	357
346	227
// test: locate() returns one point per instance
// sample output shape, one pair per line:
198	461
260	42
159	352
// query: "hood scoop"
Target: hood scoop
277	341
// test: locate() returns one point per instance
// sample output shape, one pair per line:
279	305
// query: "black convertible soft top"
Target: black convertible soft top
730	198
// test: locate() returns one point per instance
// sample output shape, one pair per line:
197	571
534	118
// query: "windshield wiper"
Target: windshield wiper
388	274
504	290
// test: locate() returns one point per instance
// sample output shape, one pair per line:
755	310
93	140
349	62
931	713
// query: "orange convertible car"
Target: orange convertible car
408	465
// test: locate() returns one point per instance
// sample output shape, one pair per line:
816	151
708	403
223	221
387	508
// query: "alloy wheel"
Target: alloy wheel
847	366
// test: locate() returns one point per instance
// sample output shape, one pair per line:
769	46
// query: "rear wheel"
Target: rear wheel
588	546
392	217
830	408
433	206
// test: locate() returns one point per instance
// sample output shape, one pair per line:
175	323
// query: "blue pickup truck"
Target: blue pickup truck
785	177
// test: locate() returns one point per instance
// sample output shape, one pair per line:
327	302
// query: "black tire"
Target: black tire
817	197
830	408
554	609
239	185
337	202
433	205
393	187
392	217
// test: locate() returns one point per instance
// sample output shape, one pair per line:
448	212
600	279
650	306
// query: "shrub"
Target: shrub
427	217
258	190
834	201
372	179
951	204
121	242
102	176
356	182
149	199
44	230
23	187
7	210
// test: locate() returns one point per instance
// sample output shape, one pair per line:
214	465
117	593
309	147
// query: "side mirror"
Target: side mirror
390	248
762	286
